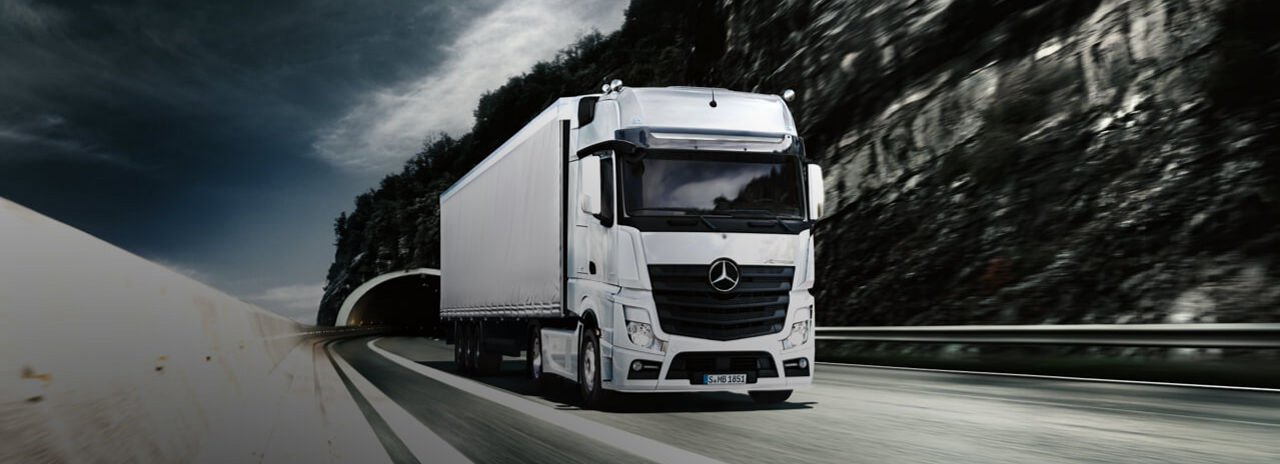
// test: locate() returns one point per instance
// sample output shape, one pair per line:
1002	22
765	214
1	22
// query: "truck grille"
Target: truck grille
689	306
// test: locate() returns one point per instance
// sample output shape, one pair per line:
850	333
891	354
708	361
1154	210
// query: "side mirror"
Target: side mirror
589	169
817	192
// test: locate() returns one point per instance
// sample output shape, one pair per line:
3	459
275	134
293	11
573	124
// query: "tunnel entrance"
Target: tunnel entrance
409	299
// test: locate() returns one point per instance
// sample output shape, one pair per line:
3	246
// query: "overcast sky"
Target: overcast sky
222	138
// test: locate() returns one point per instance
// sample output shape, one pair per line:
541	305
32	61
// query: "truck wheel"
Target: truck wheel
593	394
473	347
458	355
464	346
770	396
533	360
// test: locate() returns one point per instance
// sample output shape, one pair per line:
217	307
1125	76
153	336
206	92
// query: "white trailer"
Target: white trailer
639	240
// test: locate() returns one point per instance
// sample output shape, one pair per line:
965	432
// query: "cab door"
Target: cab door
593	225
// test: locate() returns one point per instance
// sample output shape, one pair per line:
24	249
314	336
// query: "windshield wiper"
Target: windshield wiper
765	212
686	211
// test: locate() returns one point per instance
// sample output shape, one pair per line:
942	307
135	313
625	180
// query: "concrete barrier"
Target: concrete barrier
107	357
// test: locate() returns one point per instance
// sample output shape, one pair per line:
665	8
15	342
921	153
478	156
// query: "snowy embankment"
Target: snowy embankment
108	357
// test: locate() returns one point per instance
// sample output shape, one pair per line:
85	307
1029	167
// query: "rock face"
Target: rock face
1031	162
988	161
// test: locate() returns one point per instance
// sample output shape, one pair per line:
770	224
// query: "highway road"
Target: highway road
423	410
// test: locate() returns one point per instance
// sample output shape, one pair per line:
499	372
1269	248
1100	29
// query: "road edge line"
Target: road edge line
1060	377
637	445
427	446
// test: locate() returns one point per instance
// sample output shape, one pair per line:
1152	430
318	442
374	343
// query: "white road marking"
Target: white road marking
421	441
1058	377
626	441
1056	404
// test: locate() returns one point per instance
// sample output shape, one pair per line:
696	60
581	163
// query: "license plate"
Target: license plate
724	379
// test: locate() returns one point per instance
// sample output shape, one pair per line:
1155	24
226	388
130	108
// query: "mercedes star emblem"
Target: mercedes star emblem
724	275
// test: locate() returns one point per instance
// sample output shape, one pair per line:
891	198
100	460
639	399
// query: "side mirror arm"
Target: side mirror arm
621	147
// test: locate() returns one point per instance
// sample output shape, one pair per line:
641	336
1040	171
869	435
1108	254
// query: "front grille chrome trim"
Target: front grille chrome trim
689	306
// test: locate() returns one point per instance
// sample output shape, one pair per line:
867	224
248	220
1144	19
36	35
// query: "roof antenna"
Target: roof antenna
713	98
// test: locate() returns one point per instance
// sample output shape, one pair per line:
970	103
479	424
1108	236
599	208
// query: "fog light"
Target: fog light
804	363
636	366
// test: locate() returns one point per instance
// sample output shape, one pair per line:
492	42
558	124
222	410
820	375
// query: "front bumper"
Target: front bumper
770	345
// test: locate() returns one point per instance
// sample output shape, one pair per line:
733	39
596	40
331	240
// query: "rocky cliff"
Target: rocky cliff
990	161
1028	162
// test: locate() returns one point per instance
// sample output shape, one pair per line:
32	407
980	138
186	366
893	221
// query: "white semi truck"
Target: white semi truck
639	240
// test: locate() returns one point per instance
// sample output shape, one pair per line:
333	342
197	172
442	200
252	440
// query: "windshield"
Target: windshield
687	183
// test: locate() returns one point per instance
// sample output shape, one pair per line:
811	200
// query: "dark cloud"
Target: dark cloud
222	138
185	131
190	98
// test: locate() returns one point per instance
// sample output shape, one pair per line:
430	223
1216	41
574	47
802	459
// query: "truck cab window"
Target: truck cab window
711	183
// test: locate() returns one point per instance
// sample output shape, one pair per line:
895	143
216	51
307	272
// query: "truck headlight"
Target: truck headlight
641	335
799	331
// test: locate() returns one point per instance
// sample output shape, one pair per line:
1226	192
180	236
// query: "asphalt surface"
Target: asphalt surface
852	414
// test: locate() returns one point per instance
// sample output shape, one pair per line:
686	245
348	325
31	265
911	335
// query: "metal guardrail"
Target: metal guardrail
1163	335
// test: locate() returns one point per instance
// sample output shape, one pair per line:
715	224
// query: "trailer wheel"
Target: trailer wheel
770	396
593	394
473	347
459	353
465	341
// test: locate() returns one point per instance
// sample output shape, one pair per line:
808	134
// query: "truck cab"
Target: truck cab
690	253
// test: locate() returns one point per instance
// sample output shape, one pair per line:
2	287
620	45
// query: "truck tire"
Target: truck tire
457	346
473	347
533	360
593	393
770	396
464	347
486	363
